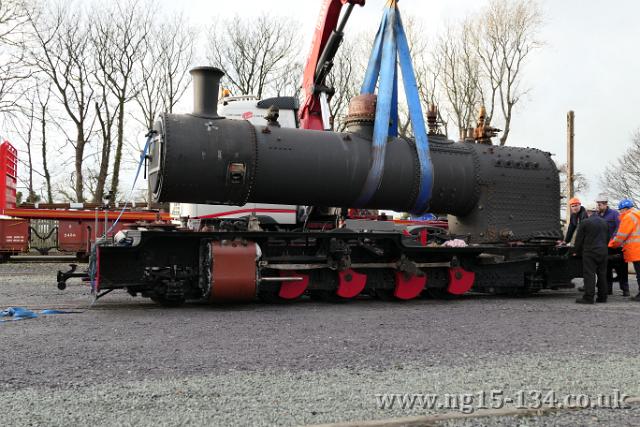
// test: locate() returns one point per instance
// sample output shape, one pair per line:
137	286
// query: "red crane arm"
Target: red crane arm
326	40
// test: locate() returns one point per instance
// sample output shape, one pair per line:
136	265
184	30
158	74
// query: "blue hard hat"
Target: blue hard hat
625	204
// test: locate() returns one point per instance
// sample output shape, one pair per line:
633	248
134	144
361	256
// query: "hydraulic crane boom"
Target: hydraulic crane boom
314	113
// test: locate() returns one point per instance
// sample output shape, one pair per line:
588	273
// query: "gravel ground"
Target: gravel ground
587	417
127	362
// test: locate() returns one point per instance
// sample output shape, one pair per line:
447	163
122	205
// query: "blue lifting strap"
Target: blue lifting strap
390	48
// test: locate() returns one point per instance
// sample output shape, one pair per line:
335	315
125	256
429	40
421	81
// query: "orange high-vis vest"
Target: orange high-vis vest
628	235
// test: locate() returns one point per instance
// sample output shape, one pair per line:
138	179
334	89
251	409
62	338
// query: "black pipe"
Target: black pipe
206	84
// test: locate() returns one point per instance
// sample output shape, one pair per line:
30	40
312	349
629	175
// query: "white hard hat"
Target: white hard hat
591	206
602	198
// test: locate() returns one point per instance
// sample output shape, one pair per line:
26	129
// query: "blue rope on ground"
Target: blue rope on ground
17	313
13	314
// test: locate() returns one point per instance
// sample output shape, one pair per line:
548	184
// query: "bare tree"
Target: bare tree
504	36
176	40
427	73
43	98
289	84
106	112
458	75
163	76
119	48
580	181
62	53
255	54
621	179
30	131
480	62
13	17
24	127
428	77
345	78
13	72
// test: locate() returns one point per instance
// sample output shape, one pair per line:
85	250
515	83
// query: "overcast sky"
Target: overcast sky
590	64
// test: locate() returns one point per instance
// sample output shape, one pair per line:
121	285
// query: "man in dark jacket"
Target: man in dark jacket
616	261
578	213
591	243
610	215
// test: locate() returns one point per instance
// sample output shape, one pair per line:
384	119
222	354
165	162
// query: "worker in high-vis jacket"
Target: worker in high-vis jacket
616	261
628	236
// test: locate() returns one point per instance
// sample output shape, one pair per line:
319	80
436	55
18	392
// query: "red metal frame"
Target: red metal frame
84	214
8	175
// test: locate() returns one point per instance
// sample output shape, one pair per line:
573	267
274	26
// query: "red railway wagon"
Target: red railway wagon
78	229
14	237
76	236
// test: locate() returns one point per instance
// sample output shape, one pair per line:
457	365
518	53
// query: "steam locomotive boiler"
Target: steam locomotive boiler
502	201
492	193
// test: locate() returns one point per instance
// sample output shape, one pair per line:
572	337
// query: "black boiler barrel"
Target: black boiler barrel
198	160
490	193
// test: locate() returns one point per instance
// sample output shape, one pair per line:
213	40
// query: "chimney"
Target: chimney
206	83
